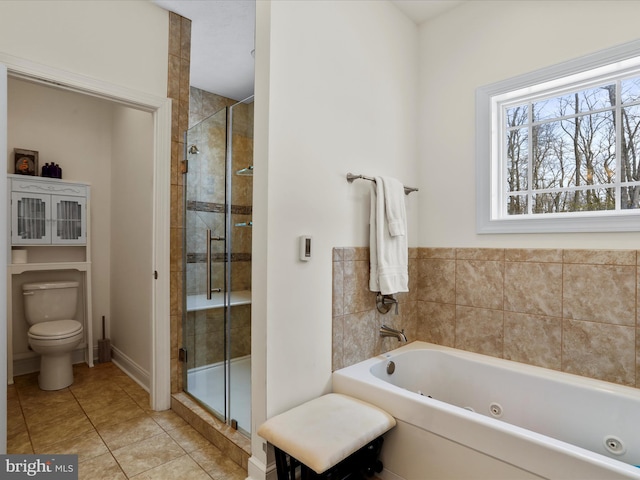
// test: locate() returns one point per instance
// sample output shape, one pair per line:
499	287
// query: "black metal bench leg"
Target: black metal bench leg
360	465
281	465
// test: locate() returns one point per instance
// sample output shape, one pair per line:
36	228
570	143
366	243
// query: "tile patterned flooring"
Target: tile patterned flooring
105	418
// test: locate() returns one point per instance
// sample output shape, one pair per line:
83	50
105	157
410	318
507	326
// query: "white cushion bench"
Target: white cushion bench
328	435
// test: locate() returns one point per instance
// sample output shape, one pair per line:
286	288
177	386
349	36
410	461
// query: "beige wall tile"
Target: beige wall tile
600	257
361	335
414	281
337	349
479	283
602	293
356	253
480	330
598	350
533	255
357	296
449	253
348	254
338	288
637	358
174	34
496	254
185	38
533	339
173	83
361	253
533	288
437	280
436	323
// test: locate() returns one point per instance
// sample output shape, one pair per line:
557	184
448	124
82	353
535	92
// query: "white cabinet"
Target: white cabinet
46	211
50	225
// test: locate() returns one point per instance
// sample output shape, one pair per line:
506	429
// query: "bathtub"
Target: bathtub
463	415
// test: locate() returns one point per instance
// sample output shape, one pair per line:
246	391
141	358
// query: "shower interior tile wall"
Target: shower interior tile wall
570	310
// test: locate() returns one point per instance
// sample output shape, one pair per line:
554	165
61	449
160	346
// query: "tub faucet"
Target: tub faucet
386	331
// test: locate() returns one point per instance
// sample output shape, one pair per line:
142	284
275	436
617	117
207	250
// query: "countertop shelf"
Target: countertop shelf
200	302
17	268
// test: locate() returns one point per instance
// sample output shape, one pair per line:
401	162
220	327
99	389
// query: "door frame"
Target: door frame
160	108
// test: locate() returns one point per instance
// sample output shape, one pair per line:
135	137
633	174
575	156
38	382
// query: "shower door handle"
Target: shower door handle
209	240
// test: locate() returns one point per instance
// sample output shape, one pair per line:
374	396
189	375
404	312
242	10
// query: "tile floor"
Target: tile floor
104	418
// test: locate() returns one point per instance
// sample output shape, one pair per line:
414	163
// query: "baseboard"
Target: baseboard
256	470
131	368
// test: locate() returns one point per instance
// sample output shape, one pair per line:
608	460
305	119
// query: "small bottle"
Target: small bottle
46	170
59	171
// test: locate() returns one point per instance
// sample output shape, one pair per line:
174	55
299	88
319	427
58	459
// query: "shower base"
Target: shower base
206	384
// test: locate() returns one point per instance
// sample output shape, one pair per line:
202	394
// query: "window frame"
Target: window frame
489	219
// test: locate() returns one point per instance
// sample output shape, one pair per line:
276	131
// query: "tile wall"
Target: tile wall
178	92
570	310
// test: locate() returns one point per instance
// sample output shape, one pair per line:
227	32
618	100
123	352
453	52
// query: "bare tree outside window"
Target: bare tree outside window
576	152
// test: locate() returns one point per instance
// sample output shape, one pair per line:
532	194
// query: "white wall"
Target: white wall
478	43
335	92
123	42
131	237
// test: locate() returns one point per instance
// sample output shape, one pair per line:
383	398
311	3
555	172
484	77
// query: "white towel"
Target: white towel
394	206
389	272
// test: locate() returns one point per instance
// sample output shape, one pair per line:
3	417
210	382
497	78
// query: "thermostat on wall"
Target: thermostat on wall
305	248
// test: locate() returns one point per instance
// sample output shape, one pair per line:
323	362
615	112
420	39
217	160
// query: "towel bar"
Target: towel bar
351	177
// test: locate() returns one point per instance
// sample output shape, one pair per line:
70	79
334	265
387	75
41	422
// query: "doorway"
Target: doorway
157	375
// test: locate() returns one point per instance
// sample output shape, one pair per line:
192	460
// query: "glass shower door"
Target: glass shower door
204	245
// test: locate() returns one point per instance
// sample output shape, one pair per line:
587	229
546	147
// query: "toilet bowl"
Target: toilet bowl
49	308
55	341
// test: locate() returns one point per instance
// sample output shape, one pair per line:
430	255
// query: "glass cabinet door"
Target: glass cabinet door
67	218
30	215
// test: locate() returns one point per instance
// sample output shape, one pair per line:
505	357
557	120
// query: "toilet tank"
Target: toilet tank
47	301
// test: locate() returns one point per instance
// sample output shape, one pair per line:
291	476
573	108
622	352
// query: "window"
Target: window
558	150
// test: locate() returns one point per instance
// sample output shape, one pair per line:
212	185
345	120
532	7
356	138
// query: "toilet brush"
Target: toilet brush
104	346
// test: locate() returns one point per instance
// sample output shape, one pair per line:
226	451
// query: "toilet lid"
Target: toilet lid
55	330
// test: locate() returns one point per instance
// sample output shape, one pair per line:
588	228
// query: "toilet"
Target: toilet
49	309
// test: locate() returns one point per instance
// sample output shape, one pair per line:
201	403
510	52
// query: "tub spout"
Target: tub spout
386	331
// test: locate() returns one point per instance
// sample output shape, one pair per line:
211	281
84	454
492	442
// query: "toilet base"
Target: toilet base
56	371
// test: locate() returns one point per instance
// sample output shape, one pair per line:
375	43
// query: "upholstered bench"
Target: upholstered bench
330	437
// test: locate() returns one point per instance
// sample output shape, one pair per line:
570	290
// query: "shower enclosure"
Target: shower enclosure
217	246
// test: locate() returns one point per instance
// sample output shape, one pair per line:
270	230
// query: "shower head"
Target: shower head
194	150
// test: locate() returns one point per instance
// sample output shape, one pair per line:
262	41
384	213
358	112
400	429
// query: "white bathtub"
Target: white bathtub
495	419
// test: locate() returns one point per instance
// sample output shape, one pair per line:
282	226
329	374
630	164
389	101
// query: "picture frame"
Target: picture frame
25	162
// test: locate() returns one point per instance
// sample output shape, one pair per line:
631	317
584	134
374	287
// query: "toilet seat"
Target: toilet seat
55	330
